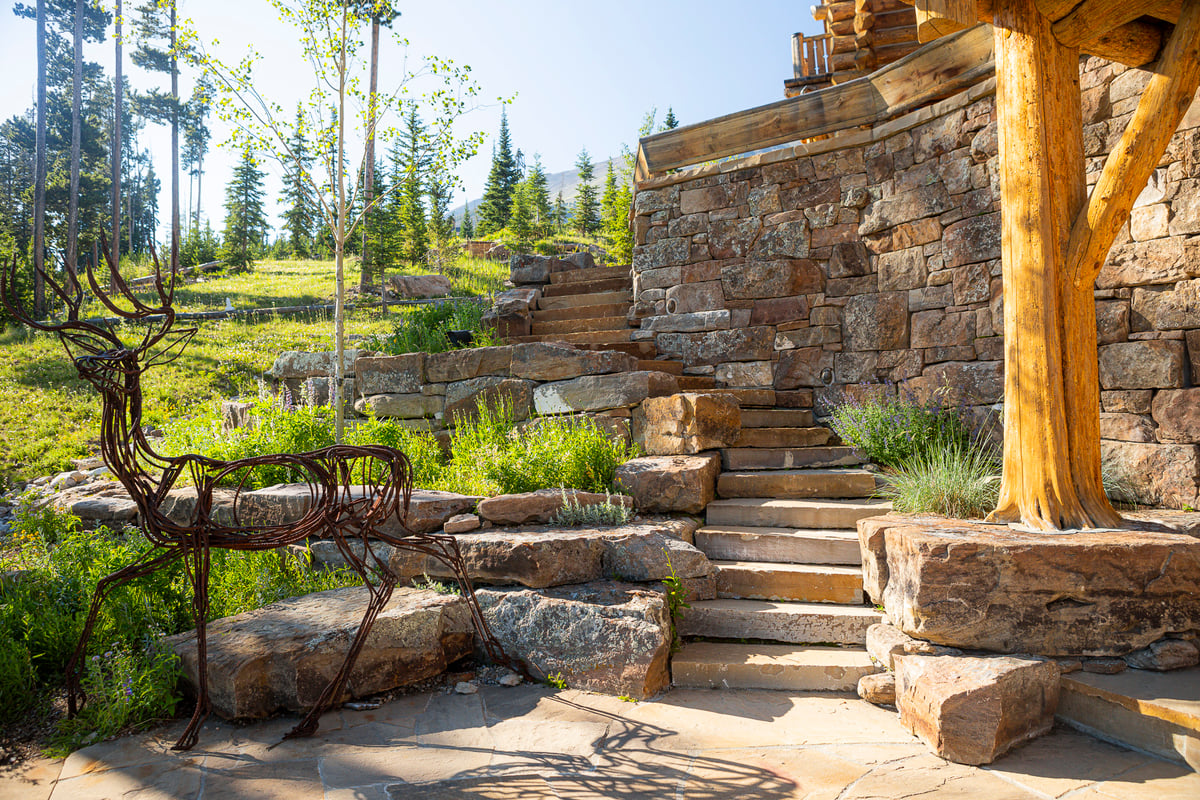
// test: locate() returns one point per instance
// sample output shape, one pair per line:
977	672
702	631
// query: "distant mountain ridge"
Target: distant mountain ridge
567	182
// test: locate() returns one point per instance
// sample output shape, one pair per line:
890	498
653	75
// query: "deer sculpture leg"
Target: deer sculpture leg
380	593
144	566
198	564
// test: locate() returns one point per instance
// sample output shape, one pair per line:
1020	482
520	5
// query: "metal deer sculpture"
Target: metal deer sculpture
353	489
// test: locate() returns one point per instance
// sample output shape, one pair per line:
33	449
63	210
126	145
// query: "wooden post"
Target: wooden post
1043	189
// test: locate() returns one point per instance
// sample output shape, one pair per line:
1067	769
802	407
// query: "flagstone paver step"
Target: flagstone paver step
749	398
722	665
580	325
787	513
735	459
782	545
585	275
805	583
661	365
824	483
1158	712
785	437
587	337
777	418
581	312
577	300
586	287
797	623
696	383
636	349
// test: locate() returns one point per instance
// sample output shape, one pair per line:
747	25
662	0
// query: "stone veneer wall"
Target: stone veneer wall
875	257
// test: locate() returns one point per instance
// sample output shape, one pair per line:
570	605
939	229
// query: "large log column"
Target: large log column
1043	189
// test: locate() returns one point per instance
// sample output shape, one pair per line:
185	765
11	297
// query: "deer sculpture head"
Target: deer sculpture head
95	347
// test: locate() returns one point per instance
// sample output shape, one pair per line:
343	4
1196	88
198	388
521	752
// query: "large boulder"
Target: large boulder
602	392
686	423
401	406
973	710
414	286
546	361
541	506
281	656
511	313
988	587
529	268
605	637
1156	474
297	364
472	362
666	484
464	397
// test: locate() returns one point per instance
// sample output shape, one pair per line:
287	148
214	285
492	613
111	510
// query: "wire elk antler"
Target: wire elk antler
354	491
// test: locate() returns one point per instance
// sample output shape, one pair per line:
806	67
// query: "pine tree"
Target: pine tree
298	218
586	216
560	213
501	183
539	200
520	222
614	213
245	217
670	123
410	163
441	223
466	228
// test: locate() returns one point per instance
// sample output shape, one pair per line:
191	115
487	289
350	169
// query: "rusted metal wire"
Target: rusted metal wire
353	490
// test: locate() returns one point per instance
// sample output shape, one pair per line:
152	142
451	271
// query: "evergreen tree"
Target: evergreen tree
520	222
587	215
501	183
560	213
245	217
614	213
466	228
298	216
410	178
539	199
441	223
669	122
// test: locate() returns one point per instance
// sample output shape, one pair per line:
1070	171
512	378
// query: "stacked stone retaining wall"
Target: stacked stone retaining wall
874	257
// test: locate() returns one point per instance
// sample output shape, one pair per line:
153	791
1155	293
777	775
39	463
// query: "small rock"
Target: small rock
462	523
1165	655
885	642
465	687
1068	665
879	688
1104	666
511	679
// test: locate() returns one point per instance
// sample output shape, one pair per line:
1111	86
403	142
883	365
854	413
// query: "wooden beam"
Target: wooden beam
1128	167
1092	18
937	18
953	64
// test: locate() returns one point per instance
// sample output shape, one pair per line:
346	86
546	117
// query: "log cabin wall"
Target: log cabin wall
874	258
864	35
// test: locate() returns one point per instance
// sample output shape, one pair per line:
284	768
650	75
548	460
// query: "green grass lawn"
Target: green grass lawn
48	415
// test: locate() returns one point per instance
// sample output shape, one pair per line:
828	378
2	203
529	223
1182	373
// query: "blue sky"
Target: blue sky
584	73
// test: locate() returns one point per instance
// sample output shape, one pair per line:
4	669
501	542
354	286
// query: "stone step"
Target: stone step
587	287
585	275
826	483
748	398
776	417
796	623
661	365
780	545
581	312
785	437
578	300
722	665
638	350
735	459
580	325
587	337
784	513
696	383
1158	712
804	583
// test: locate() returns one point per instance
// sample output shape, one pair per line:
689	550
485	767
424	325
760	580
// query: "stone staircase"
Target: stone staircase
789	612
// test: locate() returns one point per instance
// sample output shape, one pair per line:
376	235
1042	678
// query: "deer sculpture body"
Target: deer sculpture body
353	490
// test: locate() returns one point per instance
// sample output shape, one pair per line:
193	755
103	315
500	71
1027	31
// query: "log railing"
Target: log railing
810	57
937	70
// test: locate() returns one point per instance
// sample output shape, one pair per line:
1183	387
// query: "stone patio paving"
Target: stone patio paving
534	742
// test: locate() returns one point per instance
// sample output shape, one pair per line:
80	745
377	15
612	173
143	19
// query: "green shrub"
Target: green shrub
424	328
890	430
954	480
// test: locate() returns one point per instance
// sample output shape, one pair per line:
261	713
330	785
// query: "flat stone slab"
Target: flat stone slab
605	637
283	655
989	587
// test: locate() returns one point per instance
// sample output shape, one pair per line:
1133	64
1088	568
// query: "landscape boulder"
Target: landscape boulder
297	364
530	268
602	392
878	688
511	313
470	362
548	361
989	587
281	656
402	374
413	286
464	397
973	710
1165	655
605	637
666	484
235	415
541	506
687	423
400	406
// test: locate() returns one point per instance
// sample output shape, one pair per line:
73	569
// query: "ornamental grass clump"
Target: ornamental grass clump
959	481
